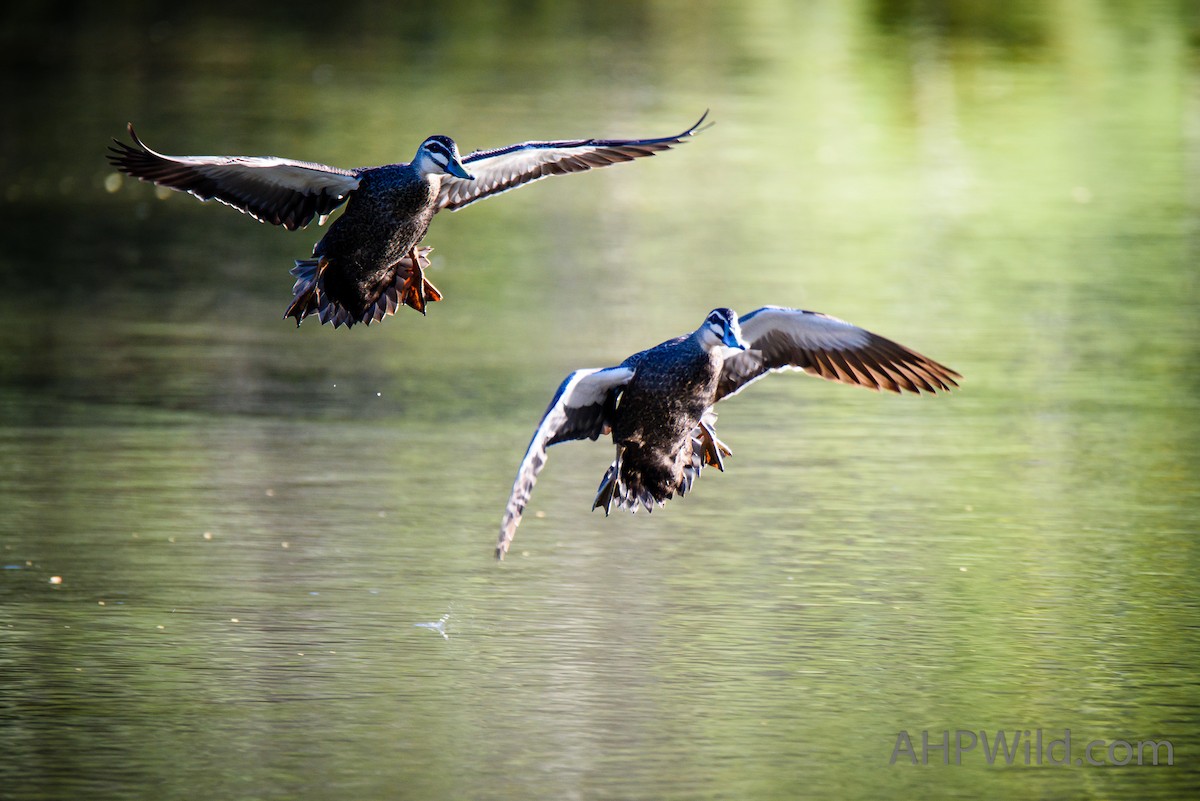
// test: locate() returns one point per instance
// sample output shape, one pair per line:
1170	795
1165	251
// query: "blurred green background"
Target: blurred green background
248	519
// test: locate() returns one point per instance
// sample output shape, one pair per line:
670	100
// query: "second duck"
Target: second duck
368	264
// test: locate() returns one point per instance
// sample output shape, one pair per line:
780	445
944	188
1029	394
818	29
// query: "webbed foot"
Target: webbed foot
711	448
417	290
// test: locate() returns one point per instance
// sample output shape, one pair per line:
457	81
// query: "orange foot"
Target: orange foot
417	291
712	449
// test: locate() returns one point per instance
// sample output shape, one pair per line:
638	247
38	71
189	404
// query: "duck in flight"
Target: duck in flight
369	263
658	404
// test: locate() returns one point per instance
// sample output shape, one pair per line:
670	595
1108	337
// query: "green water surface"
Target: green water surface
249	520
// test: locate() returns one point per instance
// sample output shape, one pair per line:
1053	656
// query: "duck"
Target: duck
658	403
369	263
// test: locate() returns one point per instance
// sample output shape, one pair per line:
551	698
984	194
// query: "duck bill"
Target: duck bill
456	169
733	339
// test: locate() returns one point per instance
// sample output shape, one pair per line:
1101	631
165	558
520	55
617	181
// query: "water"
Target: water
252	523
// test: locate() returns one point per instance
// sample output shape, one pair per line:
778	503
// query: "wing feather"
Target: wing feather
272	190
577	411
505	168
824	346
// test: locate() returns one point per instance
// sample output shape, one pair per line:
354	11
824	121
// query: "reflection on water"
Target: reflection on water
260	531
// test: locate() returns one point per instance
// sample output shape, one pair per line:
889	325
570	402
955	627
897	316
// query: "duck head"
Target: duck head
721	332
438	155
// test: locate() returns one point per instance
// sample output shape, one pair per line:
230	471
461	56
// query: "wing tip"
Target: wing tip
136	139
696	128
119	152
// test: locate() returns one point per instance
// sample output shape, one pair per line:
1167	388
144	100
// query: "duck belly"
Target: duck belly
654	438
365	244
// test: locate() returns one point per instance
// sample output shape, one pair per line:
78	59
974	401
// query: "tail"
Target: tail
309	295
625	488
629	490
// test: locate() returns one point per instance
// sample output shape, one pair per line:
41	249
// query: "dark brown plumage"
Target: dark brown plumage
658	403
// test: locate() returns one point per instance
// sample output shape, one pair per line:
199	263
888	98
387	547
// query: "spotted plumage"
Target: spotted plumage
369	263
658	403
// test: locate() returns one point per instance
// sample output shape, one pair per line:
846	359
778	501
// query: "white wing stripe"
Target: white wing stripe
580	391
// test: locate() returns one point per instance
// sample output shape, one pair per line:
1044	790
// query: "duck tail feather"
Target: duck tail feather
310	298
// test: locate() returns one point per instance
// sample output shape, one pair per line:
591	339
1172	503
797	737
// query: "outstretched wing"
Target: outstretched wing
269	189
506	168
825	346
576	412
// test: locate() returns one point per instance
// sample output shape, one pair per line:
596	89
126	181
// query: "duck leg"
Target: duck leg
712	449
417	291
610	485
